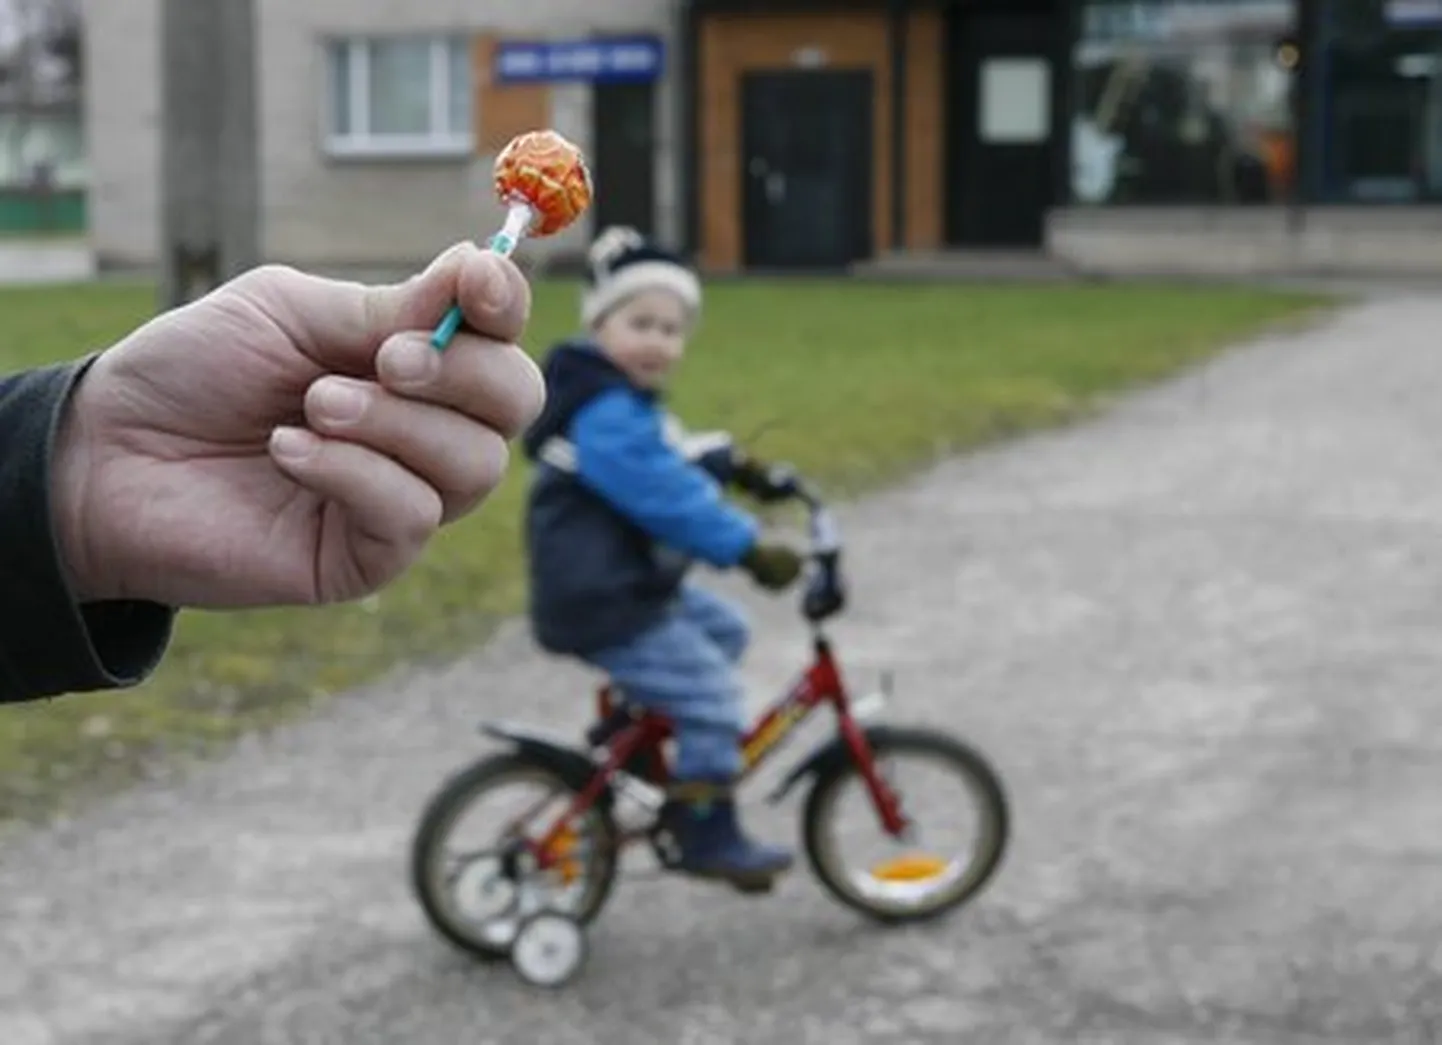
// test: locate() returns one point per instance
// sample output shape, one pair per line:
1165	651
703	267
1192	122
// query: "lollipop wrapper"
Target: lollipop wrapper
546	173
520	216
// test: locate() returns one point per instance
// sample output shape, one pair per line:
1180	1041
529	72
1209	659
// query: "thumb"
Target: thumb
341	324
493	294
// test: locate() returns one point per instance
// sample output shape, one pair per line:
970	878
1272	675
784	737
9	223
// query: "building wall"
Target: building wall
122	128
321	210
733	44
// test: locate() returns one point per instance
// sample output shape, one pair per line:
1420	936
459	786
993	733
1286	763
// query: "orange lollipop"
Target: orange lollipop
543	180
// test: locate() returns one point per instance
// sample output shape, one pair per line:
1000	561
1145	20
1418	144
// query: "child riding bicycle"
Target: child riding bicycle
621	503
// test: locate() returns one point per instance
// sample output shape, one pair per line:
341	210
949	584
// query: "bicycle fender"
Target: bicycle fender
553	752
824	757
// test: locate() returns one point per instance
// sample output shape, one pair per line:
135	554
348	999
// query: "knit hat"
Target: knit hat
621	263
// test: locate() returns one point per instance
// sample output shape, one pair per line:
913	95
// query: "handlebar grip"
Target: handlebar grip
825	590
825	534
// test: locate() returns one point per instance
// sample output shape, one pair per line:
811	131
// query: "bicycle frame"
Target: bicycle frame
821	683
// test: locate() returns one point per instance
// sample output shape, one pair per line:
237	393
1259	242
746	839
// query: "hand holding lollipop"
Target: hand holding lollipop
543	180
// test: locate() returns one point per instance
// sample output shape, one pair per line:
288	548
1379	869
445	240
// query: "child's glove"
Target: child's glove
766	483
773	566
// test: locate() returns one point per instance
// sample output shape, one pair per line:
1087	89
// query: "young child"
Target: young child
621	503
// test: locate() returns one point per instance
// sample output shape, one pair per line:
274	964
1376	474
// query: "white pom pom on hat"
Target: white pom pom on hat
621	263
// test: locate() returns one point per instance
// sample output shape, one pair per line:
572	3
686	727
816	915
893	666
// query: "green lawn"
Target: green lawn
854	382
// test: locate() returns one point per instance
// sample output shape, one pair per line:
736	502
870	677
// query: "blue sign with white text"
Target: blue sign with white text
628	59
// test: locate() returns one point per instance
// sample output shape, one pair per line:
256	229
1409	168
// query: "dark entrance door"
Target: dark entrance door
1003	125
806	168
623	167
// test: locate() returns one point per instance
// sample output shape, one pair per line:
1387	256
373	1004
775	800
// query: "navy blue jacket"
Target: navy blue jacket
621	503
50	644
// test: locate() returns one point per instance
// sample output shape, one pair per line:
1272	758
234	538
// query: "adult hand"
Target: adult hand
290	439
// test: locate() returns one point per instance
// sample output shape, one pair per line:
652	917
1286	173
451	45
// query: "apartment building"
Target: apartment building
378	120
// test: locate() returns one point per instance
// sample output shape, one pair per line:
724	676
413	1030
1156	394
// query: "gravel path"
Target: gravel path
1201	637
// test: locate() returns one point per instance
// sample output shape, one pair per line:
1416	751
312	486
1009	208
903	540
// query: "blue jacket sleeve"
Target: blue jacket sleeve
622	455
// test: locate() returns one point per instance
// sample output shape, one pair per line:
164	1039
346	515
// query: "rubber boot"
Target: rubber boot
702	818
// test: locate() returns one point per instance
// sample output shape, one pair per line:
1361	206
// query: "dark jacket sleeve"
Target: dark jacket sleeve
49	644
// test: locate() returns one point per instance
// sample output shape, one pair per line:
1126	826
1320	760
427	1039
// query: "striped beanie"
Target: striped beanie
622	263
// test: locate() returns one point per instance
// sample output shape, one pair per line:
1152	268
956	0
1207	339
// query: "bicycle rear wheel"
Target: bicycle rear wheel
479	899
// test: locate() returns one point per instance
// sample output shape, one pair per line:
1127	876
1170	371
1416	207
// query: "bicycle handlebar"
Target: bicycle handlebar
825	594
822	528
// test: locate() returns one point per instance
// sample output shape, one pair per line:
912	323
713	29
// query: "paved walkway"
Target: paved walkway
1202	637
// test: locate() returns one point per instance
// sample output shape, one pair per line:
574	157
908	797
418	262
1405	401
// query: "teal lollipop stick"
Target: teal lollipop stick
518	219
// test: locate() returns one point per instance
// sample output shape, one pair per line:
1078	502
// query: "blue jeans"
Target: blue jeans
683	668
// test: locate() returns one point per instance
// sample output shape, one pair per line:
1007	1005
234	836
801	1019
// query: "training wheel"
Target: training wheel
549	949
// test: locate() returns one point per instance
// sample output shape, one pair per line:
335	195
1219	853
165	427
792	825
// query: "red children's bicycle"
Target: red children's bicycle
529	890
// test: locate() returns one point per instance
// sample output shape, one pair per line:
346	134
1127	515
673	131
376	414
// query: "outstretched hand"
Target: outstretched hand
290	439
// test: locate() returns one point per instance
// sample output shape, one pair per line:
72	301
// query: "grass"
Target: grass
855	383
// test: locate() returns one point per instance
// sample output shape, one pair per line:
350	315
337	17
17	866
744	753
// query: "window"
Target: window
1015	100
53	141
1184	101
1379	107
398	96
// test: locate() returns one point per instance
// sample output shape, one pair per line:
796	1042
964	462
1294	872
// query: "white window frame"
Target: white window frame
359	142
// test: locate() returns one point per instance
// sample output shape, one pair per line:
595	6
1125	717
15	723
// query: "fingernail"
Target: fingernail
294	444
339	402
412	362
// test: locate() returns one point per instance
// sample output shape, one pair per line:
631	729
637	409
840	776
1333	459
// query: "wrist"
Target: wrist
69	471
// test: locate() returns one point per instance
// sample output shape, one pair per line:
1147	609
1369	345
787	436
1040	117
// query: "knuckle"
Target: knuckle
486	467
270	284
420	521
275	274
485	470
498	385
525	395
492	465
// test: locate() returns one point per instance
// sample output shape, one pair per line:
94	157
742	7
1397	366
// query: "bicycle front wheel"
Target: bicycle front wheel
935	870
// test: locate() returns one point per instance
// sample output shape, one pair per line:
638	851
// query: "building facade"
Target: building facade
43	172
1255	135
378	121
1118	135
